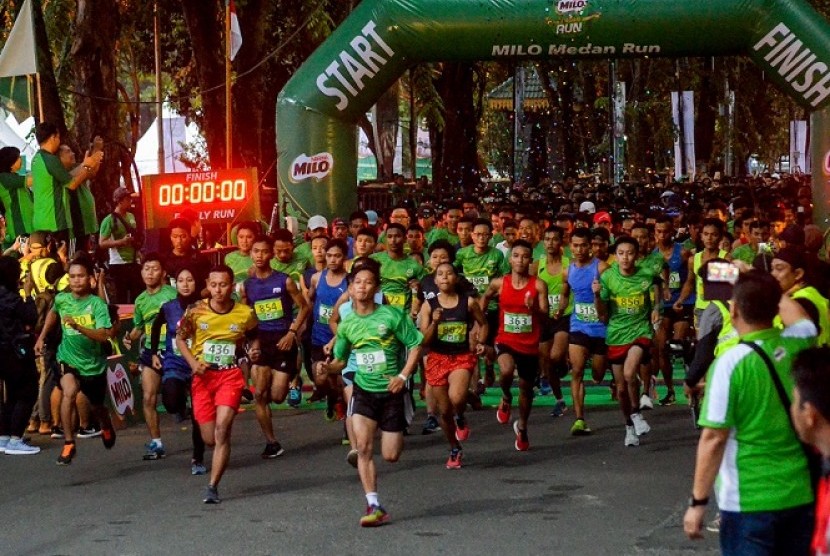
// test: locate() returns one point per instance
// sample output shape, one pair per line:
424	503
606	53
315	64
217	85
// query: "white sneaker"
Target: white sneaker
4	442
19	447
645	402
640	425
631	438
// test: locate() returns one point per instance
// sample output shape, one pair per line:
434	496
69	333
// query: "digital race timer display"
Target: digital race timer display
216	196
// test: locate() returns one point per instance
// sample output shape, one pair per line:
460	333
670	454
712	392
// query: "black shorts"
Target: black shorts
281	361
392	412
145	359
687	314
593	344
492	326
93	387
562	324
526	365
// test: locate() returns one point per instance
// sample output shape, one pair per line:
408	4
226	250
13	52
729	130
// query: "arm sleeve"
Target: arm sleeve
106	227
342	346
155	331
408	334
102	314
59	173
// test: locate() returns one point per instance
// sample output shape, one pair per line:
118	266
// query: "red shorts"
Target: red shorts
617	354
215	388
439	366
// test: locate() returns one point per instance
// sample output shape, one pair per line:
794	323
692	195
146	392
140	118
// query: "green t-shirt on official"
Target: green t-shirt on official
377	341
86	202
744	253
75	349
51	201
395	275
147	307
18	205
114	229
240	264
763	468
629	304
294	268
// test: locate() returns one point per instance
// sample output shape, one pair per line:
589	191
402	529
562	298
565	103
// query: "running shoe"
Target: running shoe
462	429
351	458
45	429
34	425
375	517
4	443
503	412
431	425
154	450
197	468
579	428
67	454
108	437
522	444
57	433
668	399
544	387
640	425
295	396
645	402
714	525
631	438
19	447
89	432
559	408
340	410
454	461
211	495
272	450
329	414
247	396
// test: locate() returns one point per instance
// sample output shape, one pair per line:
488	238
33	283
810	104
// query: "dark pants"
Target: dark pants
127	281
20	377
782	532
174	395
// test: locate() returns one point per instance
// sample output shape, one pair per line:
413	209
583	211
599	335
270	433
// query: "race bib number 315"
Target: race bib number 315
586	312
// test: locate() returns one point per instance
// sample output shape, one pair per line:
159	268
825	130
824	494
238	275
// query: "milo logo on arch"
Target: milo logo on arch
570	6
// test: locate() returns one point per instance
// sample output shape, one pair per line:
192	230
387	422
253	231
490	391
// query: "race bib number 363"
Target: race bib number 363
515	323
371	361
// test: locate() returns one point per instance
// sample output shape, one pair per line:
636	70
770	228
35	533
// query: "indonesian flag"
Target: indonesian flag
236	33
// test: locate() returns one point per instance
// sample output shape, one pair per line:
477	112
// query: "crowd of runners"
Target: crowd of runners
432	302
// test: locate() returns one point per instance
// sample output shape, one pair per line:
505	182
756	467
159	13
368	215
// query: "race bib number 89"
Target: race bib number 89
371	361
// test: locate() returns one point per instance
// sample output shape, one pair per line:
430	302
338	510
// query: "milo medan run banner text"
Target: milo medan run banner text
318	108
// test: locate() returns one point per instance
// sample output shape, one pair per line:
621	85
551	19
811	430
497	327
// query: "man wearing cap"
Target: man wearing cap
588	206
51	181
318	226
789	267
340	230
117	235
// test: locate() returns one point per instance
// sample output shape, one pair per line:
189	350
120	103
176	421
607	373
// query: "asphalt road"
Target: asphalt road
567	495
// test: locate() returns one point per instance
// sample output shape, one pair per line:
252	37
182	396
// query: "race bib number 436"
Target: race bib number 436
219	353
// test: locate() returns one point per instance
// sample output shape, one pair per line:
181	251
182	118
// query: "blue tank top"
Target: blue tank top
585	318
174	365
325	299
271	302
678	272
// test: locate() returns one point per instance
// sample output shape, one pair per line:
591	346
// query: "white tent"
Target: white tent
177	133
13	134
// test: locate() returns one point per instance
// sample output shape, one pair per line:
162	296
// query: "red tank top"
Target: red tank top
518	326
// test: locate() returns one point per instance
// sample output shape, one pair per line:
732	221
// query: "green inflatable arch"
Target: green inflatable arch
318	109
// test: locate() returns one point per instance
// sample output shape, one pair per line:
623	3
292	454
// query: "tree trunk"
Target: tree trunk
52	108
251	95
205	23
458	168
387	126
94	55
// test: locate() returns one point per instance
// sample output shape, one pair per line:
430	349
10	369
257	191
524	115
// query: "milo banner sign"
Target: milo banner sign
119	386
318	109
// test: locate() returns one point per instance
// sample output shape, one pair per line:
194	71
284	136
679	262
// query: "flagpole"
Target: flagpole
39	96
228	111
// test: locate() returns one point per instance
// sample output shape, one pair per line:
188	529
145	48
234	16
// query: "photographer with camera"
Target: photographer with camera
18	372
120	236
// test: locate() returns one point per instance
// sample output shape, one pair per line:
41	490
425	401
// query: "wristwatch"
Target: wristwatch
693	502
